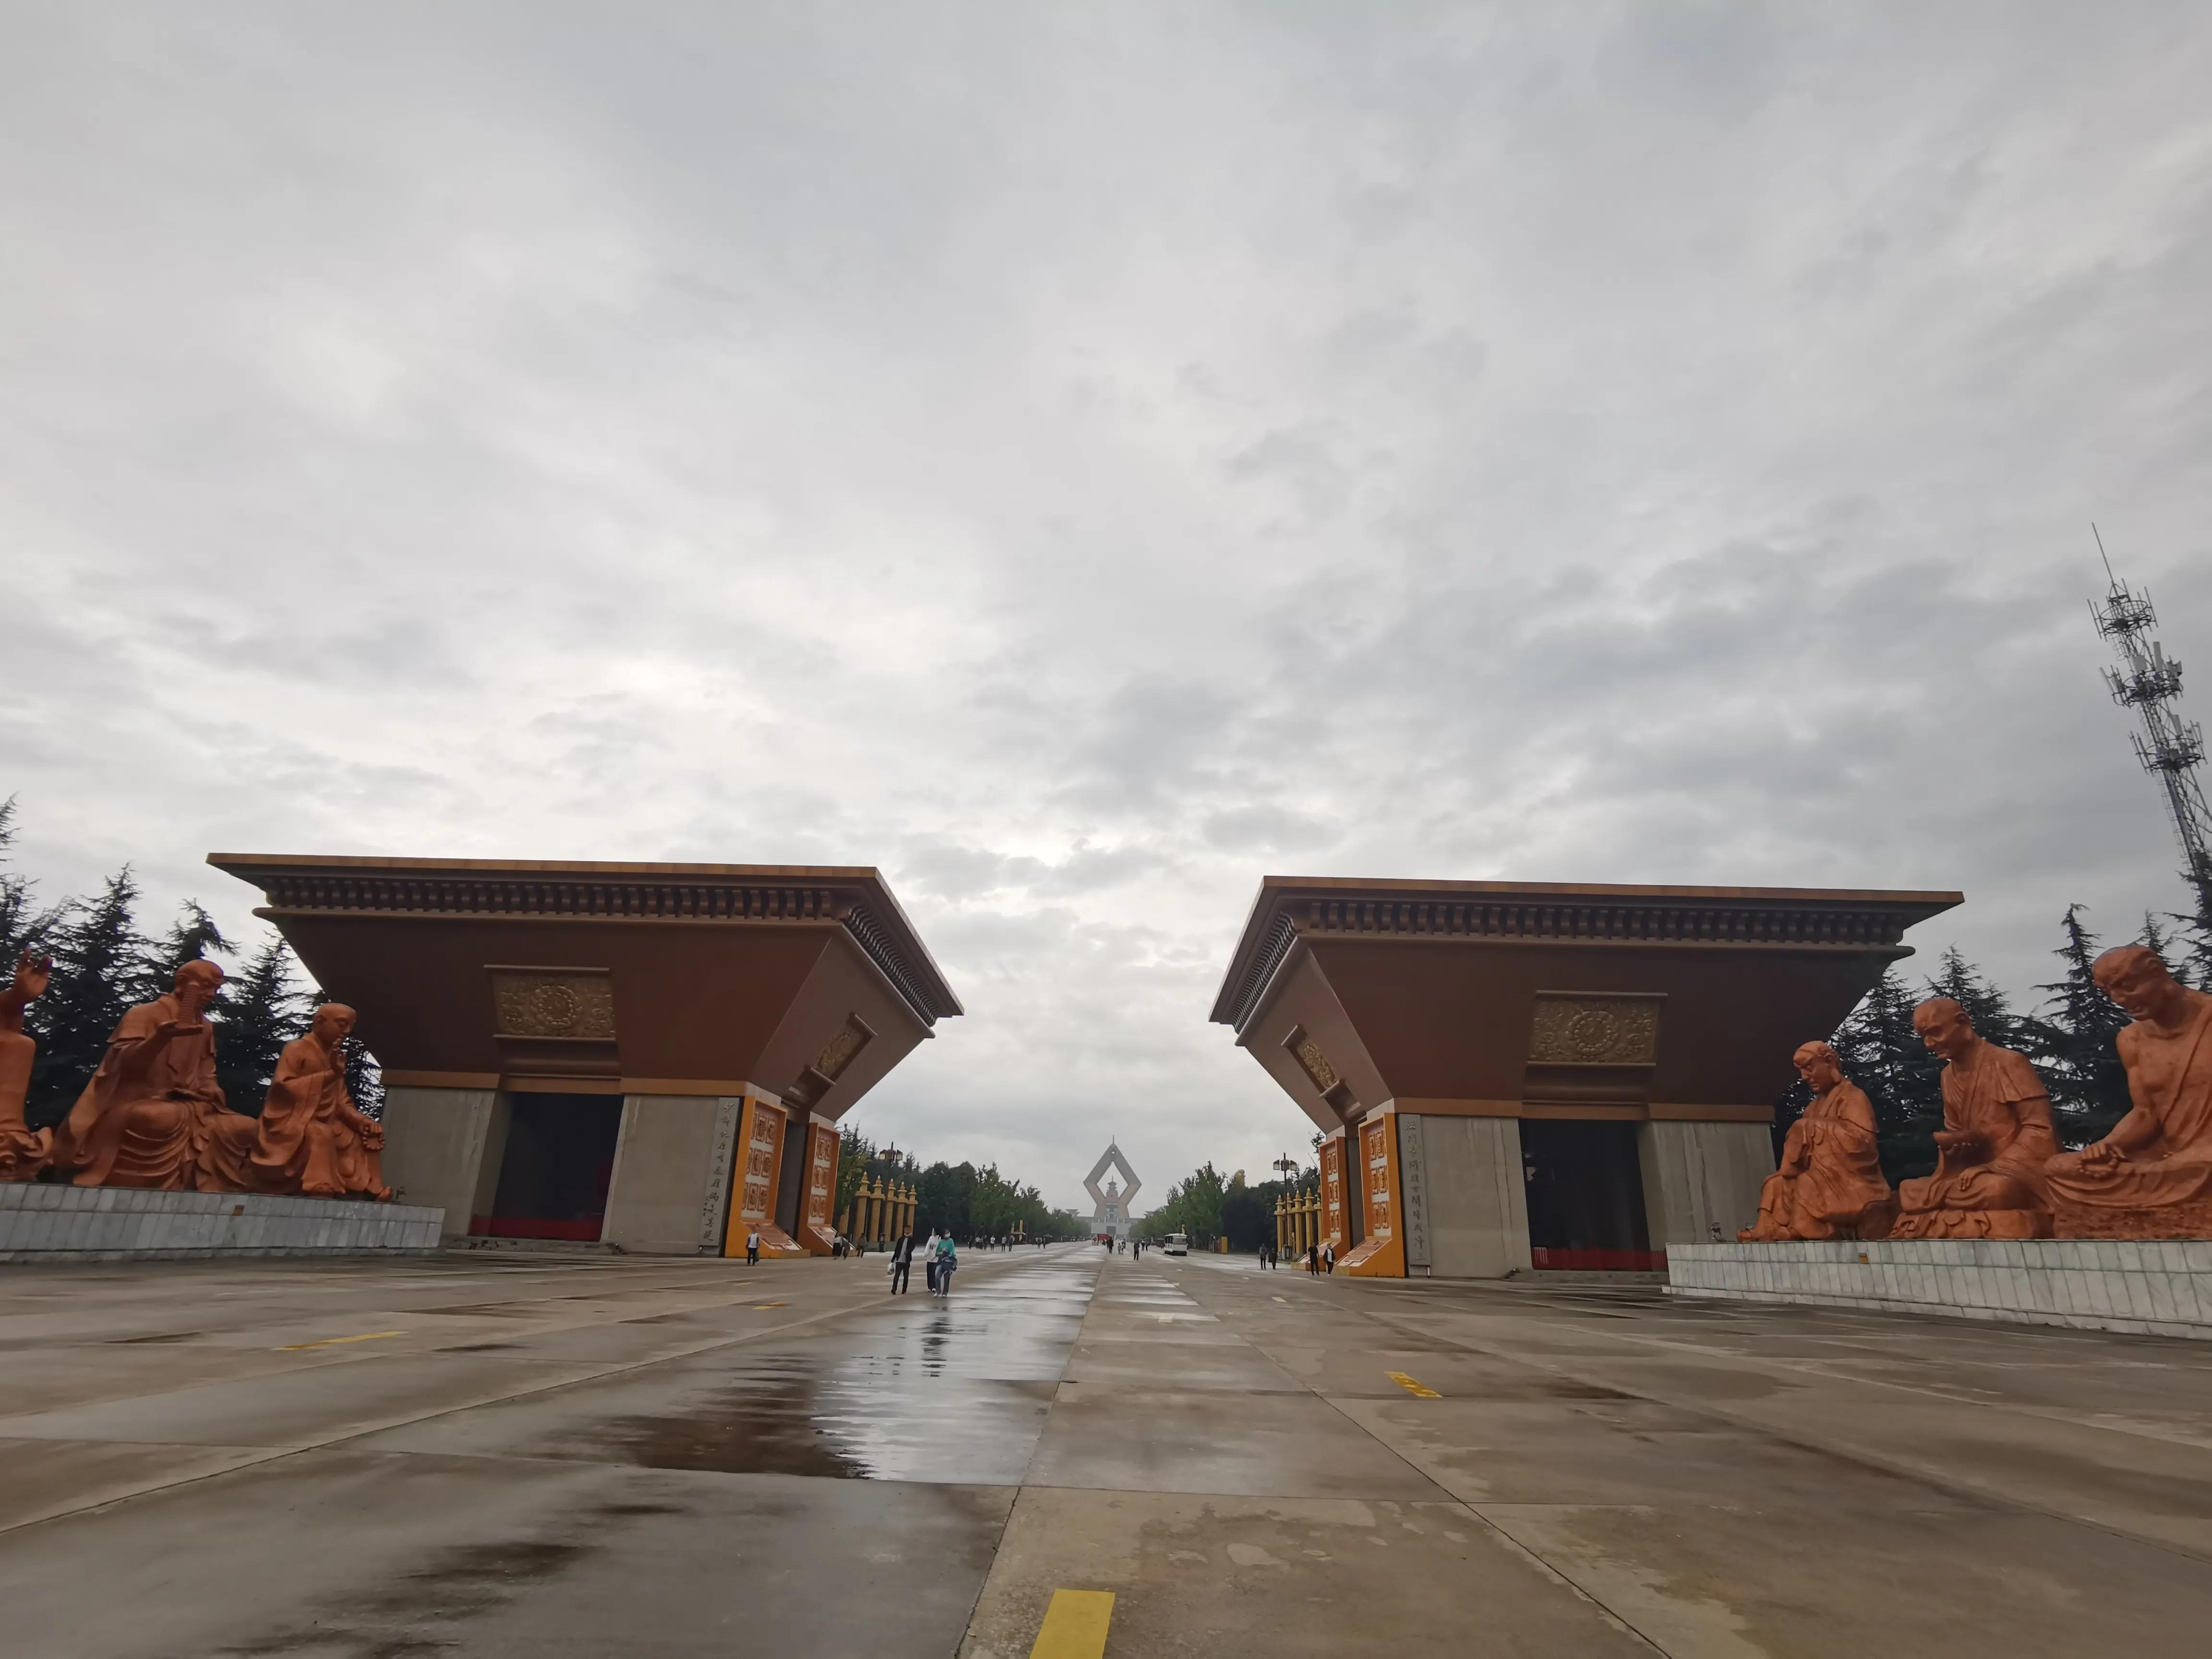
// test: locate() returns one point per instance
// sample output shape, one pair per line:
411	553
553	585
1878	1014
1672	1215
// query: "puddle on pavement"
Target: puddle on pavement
957	1395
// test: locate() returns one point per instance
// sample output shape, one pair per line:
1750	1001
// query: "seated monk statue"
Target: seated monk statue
1830	1184
2151	1176
312	1139
153	1115
22	1149
1994	1143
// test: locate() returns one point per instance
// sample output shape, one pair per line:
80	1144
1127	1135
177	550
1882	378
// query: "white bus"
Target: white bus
1178	1244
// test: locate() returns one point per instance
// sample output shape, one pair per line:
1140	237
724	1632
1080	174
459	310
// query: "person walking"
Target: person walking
752	1248
1313	1259
1329	1258
901	1262
947	1259
929	1260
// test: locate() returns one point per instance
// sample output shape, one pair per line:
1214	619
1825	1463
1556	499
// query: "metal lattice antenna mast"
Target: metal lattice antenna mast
2170	748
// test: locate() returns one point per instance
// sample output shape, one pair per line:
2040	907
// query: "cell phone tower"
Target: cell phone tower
2171	749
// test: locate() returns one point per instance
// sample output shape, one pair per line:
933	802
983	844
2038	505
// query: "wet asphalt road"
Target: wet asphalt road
496	1456
515	1455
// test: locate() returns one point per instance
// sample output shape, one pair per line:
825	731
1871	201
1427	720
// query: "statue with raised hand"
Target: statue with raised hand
1995	1140
312	1138
2151	1177
1830	1183
153	1114
22	1149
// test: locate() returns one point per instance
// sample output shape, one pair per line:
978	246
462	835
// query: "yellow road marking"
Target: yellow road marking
332	1341
1075	1625
1412	1387
762	1307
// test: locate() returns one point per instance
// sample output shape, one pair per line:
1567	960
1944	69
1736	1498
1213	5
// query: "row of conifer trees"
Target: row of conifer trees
2069	1036
104	964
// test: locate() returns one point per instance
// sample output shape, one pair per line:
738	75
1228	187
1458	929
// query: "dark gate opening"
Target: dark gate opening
554	1175
1585	1191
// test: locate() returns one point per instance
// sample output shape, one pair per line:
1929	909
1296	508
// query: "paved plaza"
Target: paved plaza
498	1453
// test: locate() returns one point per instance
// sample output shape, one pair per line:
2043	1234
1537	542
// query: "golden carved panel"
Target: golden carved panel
1595	1029
554	1002
1316	1064
841	1048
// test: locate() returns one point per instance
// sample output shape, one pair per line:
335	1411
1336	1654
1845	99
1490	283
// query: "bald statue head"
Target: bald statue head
2137	977
1819	1064
197	982
1945	1028
333	1023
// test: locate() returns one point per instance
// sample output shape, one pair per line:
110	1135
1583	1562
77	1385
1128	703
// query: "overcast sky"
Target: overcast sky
1080	459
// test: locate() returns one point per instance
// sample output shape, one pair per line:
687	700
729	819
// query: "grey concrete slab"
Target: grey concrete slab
347	1552
42	1479
300	1407
1215	1574
1179	1441
1757	1584
1119	1362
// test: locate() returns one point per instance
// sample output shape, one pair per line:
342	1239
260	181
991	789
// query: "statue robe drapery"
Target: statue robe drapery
2170	1077
310	1139
153	1116
1830	1176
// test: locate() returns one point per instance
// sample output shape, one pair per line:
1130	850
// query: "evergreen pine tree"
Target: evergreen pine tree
262	1011
2073	1042
23	927
1884	1056
1964	983
98	957
193	937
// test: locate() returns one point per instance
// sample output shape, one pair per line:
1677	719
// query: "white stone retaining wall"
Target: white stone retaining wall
42	1221
2159	1289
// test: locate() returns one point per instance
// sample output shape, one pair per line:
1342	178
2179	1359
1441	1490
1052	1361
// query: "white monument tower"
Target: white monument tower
1112	1215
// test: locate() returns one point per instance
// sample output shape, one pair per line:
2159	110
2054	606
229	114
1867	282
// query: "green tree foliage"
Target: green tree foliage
1194	1205
262	1011
23	926
2073	1042
970	1203
100	960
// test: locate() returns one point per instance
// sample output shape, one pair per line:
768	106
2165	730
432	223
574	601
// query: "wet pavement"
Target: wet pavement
496	1454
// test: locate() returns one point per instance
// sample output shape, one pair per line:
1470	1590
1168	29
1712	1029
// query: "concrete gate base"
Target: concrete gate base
2155	1289
46	1222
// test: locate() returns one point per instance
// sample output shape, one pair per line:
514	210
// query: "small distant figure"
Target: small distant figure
752	1248
1313	1260
1329	1258
929	1260
948	1258
901	1262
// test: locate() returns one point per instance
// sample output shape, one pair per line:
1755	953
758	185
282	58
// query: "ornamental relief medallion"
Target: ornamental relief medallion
1308	1054
1594	1031
554	1002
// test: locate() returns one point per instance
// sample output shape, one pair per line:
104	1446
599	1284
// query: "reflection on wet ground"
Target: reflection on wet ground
957	1392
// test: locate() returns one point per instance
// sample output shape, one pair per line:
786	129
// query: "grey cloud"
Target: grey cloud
1074	463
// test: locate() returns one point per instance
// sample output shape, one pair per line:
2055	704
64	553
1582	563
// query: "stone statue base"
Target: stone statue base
1972	1224
50	1221
2189	1220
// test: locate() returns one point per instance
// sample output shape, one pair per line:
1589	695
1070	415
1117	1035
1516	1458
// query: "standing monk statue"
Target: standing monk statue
1994	1143
1830	1184
153	1115
2151	1176
312	1139
22	1149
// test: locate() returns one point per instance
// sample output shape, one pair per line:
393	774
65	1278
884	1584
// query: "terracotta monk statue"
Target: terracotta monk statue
153	1115
1994	1143
312	1139
2151	1176
22	1149
1830	1184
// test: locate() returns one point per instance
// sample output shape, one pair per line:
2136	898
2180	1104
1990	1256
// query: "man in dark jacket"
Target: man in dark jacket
901	1262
